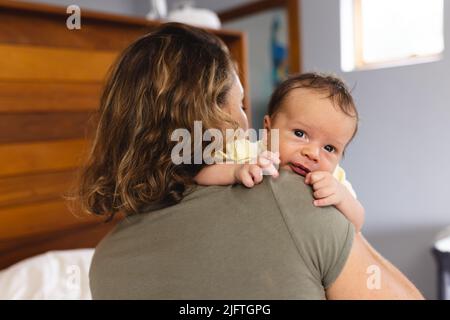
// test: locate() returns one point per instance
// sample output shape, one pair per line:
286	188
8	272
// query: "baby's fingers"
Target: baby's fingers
328	201
323	184
324	192
270	171
268	161
314	177
267	158
272	156
256	173
246	178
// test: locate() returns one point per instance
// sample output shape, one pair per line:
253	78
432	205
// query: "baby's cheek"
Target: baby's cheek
283	159
285	153
330	168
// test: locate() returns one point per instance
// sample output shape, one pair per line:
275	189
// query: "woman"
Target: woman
181	241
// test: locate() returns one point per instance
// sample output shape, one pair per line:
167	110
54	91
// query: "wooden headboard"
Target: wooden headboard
50	82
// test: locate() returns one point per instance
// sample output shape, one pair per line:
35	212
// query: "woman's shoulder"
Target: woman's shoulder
295	201
292	194
323	235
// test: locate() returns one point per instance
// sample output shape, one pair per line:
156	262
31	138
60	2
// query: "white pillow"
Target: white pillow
52	275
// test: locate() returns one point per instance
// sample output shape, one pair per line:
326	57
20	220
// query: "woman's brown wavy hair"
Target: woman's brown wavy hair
165	80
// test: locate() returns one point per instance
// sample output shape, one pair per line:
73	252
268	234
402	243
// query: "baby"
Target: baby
316	119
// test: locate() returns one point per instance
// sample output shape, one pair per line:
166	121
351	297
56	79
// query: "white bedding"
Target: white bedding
52	275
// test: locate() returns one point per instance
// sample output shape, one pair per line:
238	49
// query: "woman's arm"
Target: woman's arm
367	275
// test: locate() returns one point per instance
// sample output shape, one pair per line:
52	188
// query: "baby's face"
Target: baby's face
313	133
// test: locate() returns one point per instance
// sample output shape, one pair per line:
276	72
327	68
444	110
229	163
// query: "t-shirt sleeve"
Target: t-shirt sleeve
336	255
322	235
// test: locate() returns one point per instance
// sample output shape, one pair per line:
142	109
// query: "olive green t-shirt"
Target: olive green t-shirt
226	242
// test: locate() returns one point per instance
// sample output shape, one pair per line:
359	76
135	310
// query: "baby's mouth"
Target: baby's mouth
299	169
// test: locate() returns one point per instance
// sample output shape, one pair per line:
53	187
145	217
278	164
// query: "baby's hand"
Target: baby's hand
327	189
252	174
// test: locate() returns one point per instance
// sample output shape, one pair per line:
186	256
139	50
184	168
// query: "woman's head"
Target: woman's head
164	81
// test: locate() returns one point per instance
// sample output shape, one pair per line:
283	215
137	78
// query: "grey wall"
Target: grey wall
399	161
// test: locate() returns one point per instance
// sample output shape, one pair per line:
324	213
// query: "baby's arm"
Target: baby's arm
352	209
246	174
217	174
329	191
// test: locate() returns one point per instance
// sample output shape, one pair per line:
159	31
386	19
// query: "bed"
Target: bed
50	82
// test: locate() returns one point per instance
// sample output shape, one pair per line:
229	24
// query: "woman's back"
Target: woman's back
268	242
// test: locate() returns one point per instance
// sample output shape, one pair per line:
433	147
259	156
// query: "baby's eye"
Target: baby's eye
329	148
299	133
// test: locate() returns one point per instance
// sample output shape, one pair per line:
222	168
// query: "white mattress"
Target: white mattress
52	275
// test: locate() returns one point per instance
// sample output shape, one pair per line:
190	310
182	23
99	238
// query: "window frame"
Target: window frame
358	48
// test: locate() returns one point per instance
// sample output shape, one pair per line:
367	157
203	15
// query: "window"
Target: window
383	33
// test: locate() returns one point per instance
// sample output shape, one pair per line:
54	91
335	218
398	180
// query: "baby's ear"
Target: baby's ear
267	124
266	131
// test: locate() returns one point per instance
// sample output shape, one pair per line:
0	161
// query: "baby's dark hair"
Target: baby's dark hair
334	87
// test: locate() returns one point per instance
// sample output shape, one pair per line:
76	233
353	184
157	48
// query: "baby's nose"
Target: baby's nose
311	152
